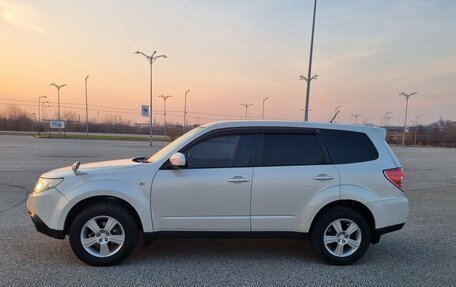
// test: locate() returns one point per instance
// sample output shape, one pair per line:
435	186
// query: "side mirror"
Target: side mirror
75	168
177	159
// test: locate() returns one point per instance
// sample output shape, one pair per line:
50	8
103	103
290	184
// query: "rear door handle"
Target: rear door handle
323	176
236	179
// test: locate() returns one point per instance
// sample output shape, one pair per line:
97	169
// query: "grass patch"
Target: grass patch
99	137
17	133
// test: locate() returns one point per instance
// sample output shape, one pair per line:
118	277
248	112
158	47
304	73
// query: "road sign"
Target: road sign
407	129
144	110
57	124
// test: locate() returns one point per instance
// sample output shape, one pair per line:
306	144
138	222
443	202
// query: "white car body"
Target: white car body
266	199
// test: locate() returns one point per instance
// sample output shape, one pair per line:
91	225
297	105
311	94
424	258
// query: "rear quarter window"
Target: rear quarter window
349	146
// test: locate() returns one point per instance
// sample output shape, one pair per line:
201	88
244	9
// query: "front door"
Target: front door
212	192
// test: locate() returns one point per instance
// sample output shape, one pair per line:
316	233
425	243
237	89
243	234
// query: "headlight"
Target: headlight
46	183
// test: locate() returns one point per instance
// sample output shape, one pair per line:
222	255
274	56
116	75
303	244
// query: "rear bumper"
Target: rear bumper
43	228
390	212
375	238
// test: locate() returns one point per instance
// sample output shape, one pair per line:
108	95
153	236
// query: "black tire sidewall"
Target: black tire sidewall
319	228
116	211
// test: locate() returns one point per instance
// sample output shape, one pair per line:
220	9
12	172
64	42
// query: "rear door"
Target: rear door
293	167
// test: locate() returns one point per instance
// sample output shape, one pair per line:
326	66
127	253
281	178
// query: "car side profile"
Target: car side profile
337	185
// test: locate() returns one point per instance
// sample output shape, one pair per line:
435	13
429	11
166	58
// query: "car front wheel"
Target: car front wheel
103	234
340	236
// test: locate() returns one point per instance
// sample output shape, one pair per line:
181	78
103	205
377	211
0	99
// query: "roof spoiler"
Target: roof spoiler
381	132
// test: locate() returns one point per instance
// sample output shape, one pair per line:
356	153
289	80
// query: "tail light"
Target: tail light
395	176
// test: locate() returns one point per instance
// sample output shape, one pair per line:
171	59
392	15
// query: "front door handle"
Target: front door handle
323	176
237	178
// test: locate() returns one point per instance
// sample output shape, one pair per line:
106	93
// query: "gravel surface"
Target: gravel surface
422	253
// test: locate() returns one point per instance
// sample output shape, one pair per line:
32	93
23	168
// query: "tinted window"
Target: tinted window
349	147
221	151
292	149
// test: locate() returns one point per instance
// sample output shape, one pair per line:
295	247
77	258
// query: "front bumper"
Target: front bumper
47	210
43	228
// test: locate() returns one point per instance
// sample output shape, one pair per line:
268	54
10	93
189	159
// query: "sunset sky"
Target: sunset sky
232	52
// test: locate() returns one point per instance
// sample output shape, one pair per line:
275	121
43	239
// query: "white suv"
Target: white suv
338	185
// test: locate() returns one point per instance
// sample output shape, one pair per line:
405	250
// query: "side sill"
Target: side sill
150	236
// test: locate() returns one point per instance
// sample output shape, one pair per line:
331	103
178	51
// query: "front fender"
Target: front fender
137	197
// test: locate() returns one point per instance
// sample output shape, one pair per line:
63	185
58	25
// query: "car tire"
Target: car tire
103	234
340	236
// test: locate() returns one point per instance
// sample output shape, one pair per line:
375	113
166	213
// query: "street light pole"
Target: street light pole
39	106
308	80
151	59
246	107
356	117
416	126
387	120
309	72
407	96
164	112
262	111
42	108
385	117
58	98
87	107
185	110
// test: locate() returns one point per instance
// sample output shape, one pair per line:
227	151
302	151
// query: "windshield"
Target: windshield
172	145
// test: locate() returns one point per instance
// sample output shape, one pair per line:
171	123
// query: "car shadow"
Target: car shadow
224	249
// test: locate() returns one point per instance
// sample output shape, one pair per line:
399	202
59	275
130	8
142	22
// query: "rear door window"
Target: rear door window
349	146
285	149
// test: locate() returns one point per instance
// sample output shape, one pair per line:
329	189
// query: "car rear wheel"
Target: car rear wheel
340	236
103	234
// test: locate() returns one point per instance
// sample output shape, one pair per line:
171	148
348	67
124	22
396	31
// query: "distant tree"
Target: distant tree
70	116
16	119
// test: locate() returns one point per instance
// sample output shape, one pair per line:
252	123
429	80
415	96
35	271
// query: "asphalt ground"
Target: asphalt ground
422	253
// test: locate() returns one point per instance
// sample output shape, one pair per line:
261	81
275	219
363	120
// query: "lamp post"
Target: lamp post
407	96
303	114
356	117
335	112
416	126
164	112
246	107
387	120
151	59
309	72
185	110
385	117
308	80
87	107
262	111
39	106
58	98
42	108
